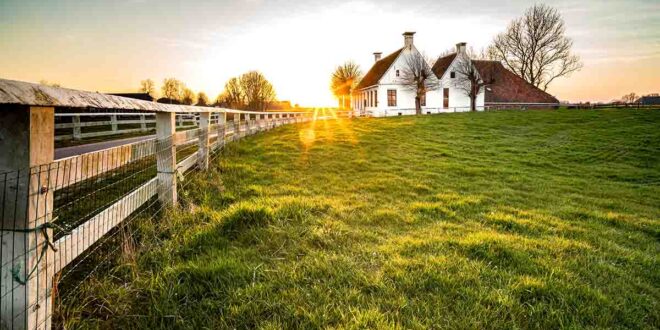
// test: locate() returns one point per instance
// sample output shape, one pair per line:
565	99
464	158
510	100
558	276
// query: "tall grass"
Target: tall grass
475	220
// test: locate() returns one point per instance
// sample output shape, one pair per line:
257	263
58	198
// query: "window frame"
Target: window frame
391	97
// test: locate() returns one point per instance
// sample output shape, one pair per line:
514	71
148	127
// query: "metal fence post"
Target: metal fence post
204	139
166	157
26	275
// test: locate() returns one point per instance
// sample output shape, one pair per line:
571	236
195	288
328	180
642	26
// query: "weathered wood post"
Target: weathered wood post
222	129
26	275
113	122
143	123
166	157
204	141
77	134
237	126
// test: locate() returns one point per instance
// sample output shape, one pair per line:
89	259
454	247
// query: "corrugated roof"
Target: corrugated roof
378	70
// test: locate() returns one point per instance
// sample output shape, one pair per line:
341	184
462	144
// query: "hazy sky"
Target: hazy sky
110	46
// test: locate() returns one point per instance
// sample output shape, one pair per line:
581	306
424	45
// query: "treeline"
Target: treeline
249	91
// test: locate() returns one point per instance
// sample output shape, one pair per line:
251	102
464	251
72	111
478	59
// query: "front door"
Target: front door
445	101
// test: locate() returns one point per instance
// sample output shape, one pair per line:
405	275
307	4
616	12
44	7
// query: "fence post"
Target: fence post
77	134
143	123
222	132
26	275
166	157
113	122
204	139
237	126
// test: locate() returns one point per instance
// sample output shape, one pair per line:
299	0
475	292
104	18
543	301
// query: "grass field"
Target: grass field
474	220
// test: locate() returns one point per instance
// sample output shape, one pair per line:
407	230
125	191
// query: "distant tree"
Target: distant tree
535	47
344	80
471	81
232	96
47	83
202	99
258	91
173	89
188	96
418	76
148	86
630	98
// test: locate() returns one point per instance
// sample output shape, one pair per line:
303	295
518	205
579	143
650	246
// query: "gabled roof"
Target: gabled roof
378	70
507	87
442	64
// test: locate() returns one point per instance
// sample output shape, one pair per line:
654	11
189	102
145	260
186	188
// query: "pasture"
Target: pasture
538	219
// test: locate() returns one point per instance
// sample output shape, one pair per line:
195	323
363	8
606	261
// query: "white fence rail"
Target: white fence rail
108	186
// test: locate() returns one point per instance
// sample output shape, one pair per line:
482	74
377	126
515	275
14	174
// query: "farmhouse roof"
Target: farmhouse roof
378	70
442	64
508	87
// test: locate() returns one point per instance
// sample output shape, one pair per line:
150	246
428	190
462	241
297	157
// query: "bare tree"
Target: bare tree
629	98
232	96
418	76
344	80
258	91
202	99
535	47
173	89
472	80
188	96
148	86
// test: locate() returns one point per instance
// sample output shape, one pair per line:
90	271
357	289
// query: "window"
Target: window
391	97
452	74
422	100
375	98
445	101
397	73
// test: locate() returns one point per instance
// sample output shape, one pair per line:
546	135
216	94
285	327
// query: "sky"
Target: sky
110	46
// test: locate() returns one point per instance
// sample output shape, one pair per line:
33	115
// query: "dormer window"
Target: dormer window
452	75
397	73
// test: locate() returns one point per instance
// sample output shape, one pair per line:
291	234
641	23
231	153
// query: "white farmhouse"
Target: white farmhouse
381	92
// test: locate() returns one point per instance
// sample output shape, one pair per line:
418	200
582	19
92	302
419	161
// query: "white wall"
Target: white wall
458	100
405	96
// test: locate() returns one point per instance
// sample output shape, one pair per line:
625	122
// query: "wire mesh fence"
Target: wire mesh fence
75	218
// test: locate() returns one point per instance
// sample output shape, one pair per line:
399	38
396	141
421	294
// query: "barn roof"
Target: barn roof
507	87
378	70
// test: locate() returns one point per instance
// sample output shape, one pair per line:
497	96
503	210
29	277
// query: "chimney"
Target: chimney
377	56
408	39
460	47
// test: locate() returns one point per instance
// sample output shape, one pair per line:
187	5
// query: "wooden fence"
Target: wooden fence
31	256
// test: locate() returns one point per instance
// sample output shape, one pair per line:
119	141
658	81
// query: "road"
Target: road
81	149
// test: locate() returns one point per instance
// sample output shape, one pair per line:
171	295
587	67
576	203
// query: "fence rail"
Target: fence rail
56	213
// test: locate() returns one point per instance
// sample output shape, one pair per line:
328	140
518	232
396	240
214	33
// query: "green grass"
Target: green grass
475	220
